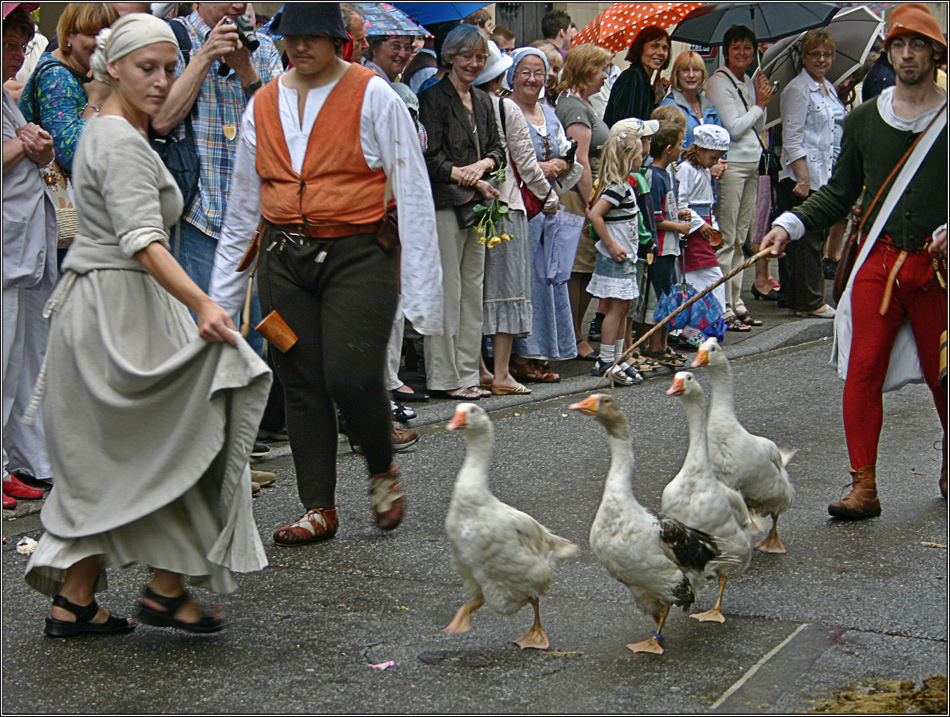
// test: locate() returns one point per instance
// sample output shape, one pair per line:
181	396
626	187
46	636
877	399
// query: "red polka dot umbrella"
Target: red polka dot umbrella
615	28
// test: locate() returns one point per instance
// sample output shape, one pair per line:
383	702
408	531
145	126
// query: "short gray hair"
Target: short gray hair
464	38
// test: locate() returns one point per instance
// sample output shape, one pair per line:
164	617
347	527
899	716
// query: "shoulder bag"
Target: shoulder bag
769	164
532	205
58	181
180	156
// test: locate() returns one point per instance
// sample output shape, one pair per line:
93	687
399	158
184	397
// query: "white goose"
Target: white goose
753	465
506	558
699	500
660	560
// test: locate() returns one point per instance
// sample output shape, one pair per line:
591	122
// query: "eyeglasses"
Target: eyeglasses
14	46
820	55
397	46
917	44
528	75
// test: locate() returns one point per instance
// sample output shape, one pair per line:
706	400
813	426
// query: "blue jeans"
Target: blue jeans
195	253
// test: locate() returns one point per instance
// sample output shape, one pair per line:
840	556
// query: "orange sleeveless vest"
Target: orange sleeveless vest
335	185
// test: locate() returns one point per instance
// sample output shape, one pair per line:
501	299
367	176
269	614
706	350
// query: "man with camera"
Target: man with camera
215	79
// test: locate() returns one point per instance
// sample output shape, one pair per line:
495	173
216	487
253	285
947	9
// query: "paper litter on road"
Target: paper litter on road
26	546
383	665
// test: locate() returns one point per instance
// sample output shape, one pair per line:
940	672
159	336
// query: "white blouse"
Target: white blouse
808	128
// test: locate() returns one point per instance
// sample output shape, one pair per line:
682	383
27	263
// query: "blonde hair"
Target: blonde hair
86	18
580	65
684	60
812	39
621	148
670	113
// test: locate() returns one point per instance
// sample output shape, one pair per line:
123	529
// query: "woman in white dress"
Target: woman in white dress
149	418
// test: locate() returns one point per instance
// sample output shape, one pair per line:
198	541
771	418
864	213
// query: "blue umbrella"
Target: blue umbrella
426	13
769	21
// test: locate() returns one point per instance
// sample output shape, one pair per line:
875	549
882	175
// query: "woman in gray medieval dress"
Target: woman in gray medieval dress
148	425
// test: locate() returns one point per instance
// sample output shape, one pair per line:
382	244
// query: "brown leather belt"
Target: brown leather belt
329	231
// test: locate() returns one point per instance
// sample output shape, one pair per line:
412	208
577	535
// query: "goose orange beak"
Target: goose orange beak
459	421
588	406
702	359
677	388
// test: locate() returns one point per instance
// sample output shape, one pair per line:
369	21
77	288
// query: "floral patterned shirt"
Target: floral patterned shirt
59	101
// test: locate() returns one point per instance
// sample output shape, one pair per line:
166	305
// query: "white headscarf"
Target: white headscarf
126	35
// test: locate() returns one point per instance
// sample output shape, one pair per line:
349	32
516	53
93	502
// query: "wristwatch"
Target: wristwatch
253	87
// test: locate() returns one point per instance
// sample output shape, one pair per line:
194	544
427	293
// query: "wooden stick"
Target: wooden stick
685	305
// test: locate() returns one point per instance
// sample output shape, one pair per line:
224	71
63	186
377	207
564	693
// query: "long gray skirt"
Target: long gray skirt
507	300
149	429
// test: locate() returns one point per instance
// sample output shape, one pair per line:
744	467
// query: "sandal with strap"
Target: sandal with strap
532	370
83	625
735	324
166	618
313	526
748	320
668	358
641	363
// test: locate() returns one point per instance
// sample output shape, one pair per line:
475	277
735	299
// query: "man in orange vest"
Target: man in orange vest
322	147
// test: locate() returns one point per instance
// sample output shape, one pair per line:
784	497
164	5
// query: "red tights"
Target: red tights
918	296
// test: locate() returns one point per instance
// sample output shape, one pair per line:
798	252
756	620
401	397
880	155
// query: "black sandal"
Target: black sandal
166	618
83	625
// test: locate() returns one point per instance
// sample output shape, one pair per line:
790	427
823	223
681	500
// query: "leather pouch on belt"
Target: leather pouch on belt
253	248
276	331
388	235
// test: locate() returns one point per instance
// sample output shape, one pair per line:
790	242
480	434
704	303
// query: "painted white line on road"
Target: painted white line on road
755	668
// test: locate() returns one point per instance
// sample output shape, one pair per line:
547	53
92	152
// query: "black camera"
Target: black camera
246	33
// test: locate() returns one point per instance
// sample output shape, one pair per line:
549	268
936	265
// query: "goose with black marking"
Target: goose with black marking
753	465
658	558
697	498
506	558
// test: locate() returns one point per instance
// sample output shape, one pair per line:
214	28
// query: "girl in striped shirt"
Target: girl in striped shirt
614	216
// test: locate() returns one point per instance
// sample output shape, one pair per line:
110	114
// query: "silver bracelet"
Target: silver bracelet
89	104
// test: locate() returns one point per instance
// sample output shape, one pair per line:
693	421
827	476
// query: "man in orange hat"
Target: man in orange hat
904	276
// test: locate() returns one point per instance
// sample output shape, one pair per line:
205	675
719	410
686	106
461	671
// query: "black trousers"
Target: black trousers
800	272
339	296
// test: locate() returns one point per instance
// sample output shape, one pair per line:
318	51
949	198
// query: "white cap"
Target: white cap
496	64
640	128
711	136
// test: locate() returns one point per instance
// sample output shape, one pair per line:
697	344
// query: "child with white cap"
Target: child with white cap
700	266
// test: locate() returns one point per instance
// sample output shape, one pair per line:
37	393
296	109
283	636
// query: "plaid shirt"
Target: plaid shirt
221	102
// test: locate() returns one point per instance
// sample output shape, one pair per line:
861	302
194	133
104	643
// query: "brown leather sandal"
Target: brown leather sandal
313	526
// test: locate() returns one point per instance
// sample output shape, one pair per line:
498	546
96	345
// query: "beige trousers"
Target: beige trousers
735	211
452	359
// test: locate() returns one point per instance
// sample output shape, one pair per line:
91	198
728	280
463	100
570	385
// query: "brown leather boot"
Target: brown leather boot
862	501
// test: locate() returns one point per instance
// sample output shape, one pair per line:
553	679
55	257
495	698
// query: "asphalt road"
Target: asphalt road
848	603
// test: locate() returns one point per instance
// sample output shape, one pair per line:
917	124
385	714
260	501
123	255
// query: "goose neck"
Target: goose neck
723	398
696	418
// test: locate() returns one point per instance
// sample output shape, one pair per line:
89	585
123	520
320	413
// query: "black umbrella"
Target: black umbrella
769	21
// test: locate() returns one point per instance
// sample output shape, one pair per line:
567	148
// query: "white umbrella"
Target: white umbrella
854	31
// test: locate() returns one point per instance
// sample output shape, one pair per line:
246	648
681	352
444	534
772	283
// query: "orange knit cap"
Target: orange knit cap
915	18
